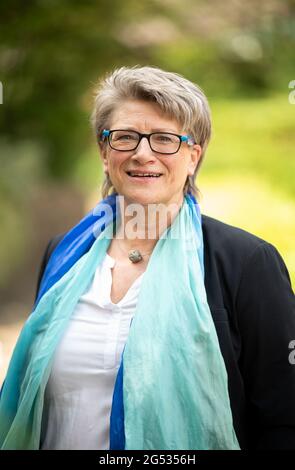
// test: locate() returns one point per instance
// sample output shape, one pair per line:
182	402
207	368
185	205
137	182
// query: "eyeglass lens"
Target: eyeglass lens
160	142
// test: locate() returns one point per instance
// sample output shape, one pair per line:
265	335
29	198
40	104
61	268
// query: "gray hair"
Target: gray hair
177	97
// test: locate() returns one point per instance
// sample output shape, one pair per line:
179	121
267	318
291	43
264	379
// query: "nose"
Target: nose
144	150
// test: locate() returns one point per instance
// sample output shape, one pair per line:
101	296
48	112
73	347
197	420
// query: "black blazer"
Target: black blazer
253	307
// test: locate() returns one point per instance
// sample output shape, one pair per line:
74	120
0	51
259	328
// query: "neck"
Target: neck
143	224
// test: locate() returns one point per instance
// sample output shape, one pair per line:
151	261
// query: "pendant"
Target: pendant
135	256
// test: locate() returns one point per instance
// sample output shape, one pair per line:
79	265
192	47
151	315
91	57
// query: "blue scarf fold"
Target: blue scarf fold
171	388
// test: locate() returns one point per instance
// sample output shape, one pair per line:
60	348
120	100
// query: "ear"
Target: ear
103	156
195	155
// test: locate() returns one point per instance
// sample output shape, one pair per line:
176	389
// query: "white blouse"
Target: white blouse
78	395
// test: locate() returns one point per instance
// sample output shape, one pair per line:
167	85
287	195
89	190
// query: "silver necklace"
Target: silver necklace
134	255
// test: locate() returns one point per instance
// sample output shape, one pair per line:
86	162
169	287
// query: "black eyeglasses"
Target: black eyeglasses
160	142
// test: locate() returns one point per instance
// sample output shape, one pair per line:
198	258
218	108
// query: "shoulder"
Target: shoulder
219	237
235	251
238	256
228	240
223	233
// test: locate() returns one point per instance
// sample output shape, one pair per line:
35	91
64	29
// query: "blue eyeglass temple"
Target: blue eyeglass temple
105	133
183	138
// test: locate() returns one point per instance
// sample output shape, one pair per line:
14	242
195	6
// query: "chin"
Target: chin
144	198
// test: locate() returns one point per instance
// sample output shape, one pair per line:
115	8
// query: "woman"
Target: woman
154	327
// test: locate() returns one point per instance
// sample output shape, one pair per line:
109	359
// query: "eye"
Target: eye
163	138
123	136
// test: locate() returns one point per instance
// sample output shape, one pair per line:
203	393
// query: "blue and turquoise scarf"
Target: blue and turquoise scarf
171	389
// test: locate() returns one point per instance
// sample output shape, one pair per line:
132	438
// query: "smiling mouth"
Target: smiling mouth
133	174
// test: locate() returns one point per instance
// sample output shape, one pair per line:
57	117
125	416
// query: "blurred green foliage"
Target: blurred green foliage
52	52
249	169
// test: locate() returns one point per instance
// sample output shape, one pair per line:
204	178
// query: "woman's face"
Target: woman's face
146	117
